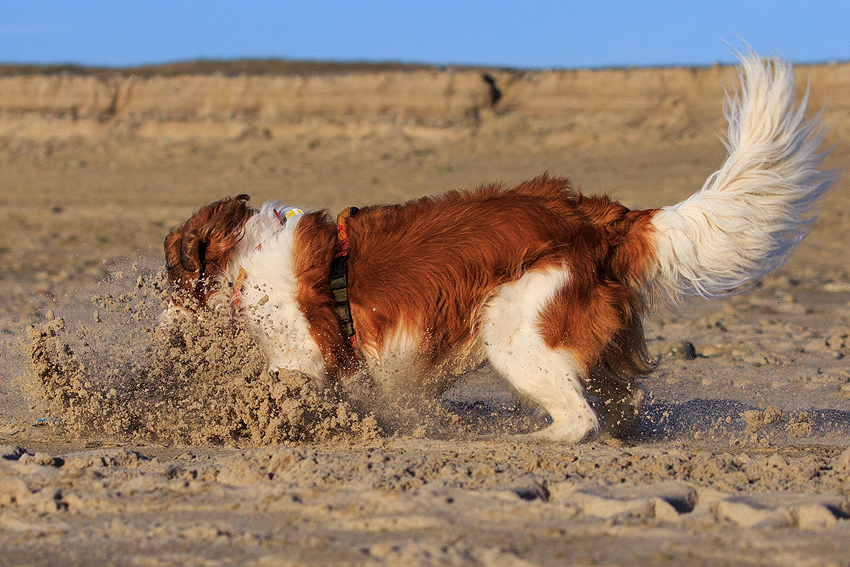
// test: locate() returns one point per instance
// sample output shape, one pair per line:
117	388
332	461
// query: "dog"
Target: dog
547	285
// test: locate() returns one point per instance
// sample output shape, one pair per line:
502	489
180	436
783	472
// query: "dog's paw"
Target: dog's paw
571	430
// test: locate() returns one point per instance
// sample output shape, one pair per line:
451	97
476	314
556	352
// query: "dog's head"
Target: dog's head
197	251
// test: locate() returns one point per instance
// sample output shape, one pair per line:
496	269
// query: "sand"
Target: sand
124	443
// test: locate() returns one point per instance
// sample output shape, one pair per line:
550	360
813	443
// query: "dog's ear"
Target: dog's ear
197	251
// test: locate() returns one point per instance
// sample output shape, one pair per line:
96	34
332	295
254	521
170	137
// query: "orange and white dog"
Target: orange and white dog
547	285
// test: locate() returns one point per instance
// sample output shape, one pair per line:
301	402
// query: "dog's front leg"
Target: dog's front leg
303	359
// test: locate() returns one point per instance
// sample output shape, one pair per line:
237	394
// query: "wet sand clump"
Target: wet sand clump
197	381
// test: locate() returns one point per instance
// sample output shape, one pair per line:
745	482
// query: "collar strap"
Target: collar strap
239	287
339	277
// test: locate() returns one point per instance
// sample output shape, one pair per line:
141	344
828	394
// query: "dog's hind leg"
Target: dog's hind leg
516	348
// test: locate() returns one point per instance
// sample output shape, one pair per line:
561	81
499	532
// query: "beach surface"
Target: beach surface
125	444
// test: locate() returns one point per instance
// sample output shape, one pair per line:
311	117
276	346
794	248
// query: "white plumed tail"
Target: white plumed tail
752	213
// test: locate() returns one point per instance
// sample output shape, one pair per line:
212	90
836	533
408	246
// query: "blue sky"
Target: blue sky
525	34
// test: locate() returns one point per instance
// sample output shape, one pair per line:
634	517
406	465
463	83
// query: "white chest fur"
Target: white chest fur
268	294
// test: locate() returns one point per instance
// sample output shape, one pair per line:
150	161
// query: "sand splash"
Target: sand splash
197	381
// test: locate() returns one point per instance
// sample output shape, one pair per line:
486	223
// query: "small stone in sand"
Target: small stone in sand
683	350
